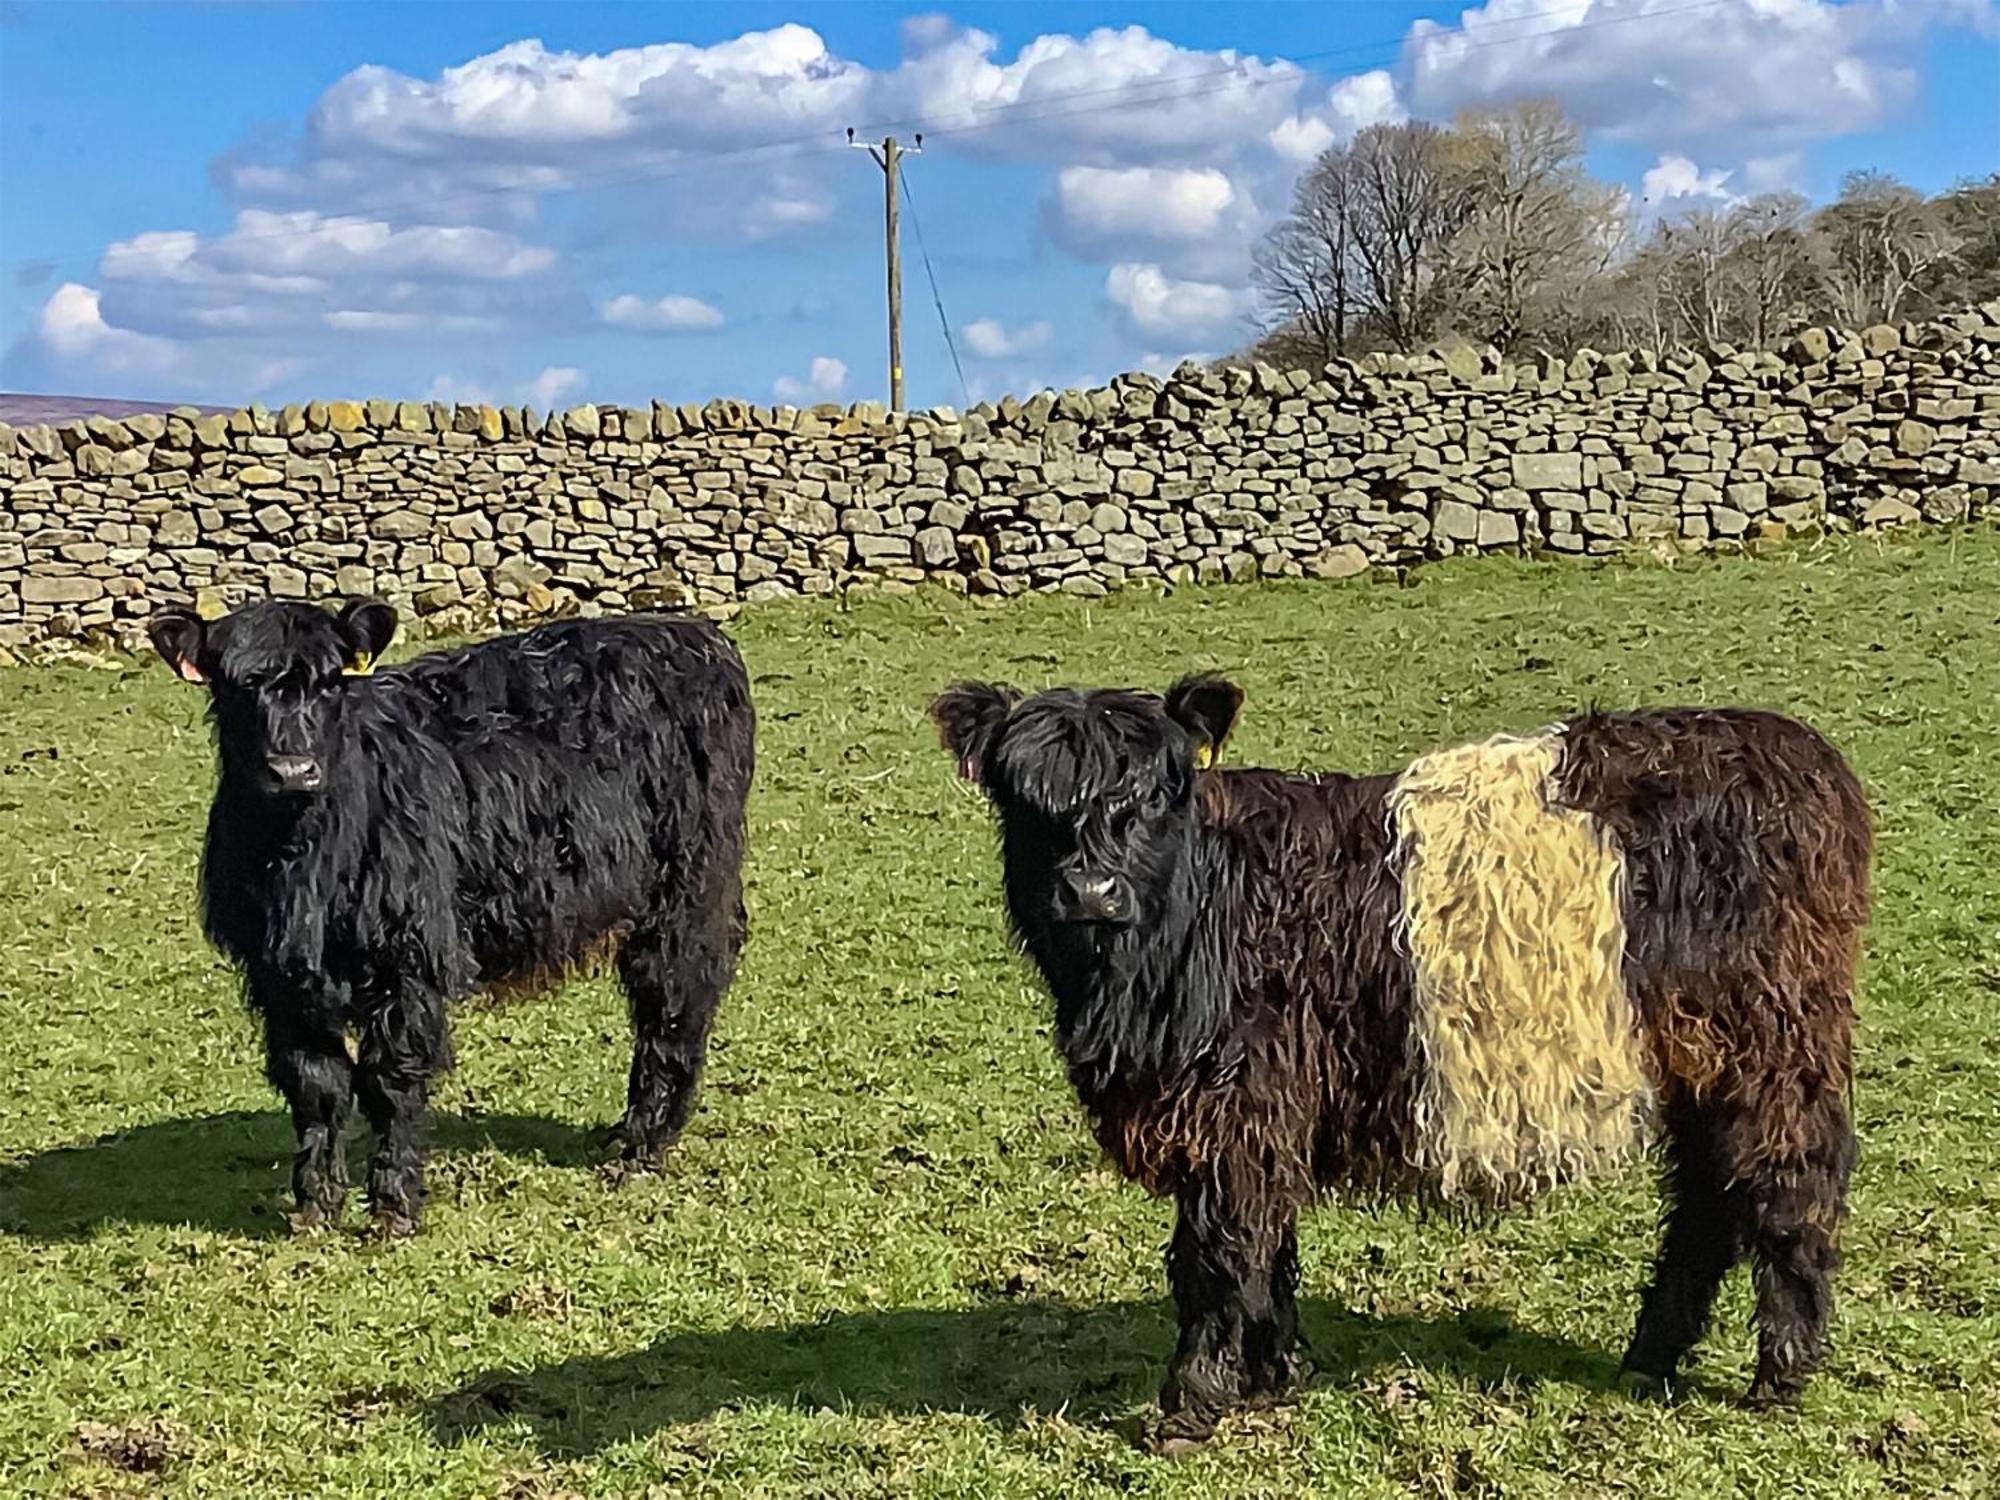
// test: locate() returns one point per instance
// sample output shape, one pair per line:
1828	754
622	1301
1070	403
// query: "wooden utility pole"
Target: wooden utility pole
889	157
891	154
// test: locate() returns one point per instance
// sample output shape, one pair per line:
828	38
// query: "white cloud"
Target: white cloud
1154	100
76	344
675	313
989	338
1365	99
363	320
299	251
1352	105
272	275
1783	172
1161	306
1675	177
550	387
455	392
1744	75
826	381
482	140
525	94
1301	138
1155	363
72	327
546	390
1102	202
1191	221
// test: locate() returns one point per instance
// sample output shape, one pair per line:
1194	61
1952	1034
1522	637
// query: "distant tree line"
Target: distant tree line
1490	231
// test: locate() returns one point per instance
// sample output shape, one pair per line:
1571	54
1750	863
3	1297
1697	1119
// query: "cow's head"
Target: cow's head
276	673
1094	791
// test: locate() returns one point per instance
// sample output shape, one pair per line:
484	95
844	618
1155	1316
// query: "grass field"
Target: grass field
885	1259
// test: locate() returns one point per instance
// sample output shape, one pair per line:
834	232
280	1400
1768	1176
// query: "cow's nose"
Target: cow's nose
1094	897
294	773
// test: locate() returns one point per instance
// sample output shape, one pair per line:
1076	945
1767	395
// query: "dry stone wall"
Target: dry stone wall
465	515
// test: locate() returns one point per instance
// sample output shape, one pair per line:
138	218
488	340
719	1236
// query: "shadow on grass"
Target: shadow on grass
227	1172
1000	1361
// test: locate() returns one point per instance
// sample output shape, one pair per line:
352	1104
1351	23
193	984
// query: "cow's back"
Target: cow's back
584	760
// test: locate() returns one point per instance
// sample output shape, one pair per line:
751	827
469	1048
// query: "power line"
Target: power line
1128	96
937	298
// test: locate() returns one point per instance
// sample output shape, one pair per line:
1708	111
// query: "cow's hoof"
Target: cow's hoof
388	1224
1641	1386
312	1218
628	1155
1770	1395
1176	1436
1284	1390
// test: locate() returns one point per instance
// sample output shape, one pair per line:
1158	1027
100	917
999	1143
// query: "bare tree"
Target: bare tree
1971	215
1692	252
1411	195
1637	306
1541	233
1303	269
1770	279
1494	231
1365	256
1881	242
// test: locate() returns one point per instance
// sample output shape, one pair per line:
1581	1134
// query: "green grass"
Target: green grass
886	1259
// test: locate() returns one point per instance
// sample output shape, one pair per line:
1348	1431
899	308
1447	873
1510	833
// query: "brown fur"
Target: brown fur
594	961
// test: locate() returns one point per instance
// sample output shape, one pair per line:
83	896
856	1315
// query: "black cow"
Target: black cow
384	842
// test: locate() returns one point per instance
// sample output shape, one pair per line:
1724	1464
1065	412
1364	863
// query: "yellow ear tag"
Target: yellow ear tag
363	665
1204	756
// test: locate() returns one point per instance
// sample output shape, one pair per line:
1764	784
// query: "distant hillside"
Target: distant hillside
31	411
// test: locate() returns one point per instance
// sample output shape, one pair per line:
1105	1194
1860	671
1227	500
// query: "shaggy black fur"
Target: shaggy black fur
486	817
1236	1013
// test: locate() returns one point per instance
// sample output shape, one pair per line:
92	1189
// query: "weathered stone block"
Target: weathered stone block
1548	471
936	546
37	589
1455	521
401	525
1343	561
1125	549
877	550
1891	512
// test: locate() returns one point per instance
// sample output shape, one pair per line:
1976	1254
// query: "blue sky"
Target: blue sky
557	203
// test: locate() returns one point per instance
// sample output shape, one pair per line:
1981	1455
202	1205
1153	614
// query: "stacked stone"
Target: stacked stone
470	515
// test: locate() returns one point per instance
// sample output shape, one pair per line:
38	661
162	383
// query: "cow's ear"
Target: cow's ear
368	627
968	715
177	634
1206	707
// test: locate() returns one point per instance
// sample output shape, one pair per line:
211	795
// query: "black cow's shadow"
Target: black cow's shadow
1004	1361
226	1172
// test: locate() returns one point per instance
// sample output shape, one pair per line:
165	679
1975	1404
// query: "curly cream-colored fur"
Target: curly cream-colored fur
1513	919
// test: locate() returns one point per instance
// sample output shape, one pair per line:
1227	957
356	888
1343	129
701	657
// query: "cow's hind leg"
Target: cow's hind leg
306	1058
1272	1355
1795	1213
1703	1239
675	968
404	1045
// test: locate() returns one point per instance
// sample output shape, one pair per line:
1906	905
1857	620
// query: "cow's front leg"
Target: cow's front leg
1233	1278
404	1045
